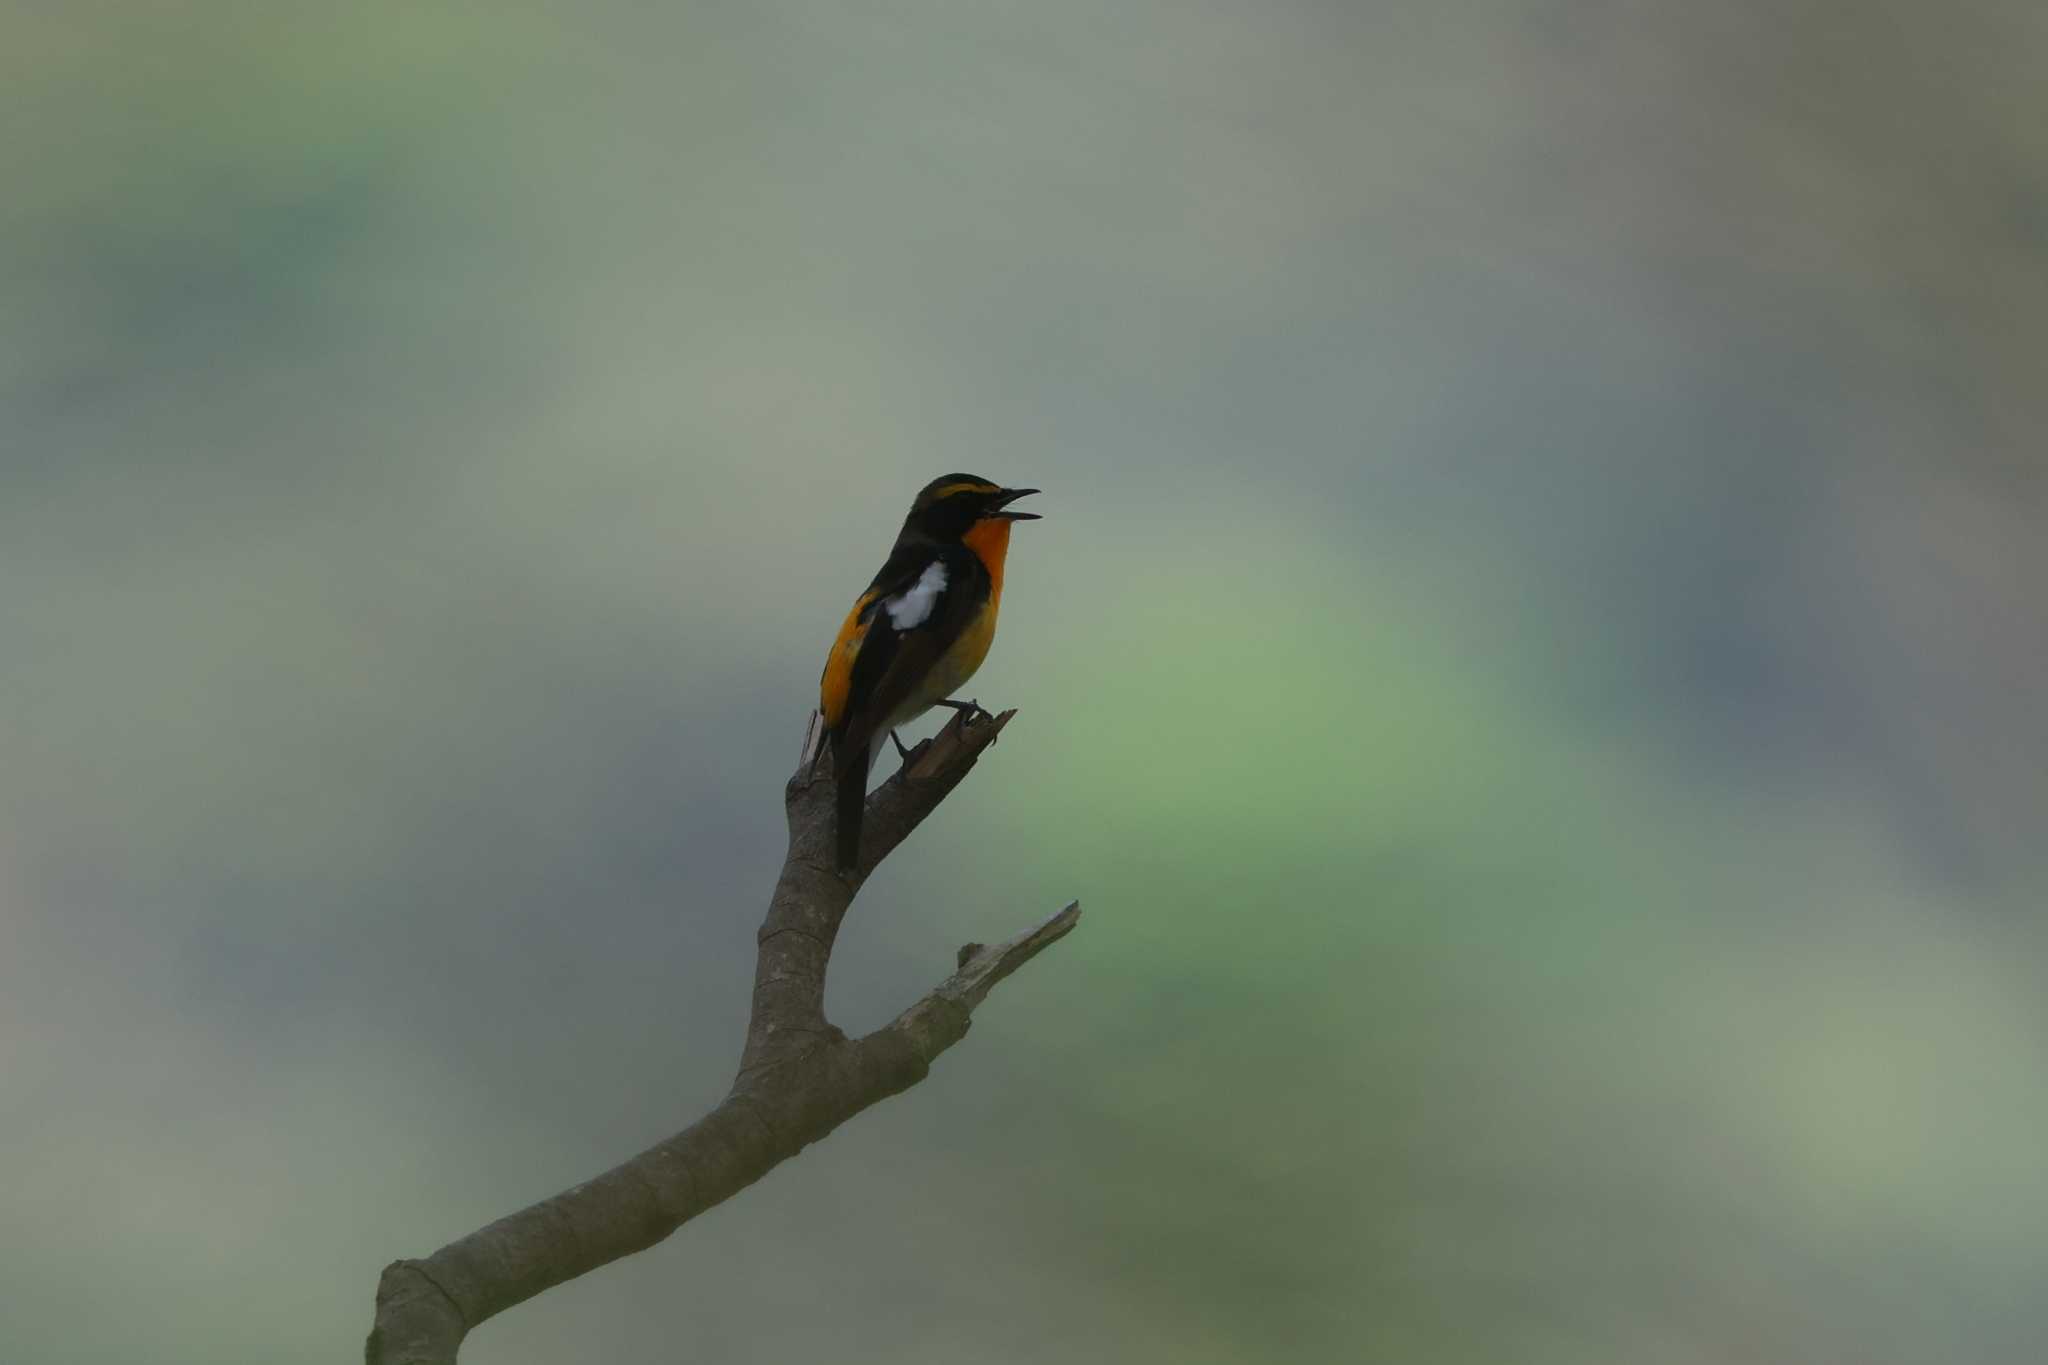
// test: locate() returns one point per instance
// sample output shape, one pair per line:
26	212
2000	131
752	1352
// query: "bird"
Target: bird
917	633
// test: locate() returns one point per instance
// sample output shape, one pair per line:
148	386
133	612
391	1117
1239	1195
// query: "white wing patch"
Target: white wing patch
913	606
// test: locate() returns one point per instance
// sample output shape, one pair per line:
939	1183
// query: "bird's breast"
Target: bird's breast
955	666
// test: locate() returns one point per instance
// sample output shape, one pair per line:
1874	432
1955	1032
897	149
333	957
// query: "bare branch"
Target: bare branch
799	1077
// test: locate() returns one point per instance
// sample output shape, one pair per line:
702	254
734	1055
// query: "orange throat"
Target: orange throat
989	538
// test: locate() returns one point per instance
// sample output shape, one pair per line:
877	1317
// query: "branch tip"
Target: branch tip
980	970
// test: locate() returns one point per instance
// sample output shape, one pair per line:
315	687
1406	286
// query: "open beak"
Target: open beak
1008	496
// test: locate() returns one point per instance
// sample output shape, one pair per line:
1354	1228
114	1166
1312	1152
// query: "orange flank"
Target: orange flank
834	688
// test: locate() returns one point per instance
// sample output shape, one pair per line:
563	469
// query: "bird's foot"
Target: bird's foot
971	709
901	752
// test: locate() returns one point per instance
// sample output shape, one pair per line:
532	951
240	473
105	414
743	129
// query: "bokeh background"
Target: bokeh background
1533	664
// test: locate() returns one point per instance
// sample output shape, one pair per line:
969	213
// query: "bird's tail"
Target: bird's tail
851	772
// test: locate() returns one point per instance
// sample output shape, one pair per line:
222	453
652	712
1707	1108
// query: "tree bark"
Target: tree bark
799	1077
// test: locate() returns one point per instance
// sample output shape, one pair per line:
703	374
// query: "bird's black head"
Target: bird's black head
947	508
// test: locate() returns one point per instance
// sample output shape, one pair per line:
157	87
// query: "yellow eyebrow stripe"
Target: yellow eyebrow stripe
950	489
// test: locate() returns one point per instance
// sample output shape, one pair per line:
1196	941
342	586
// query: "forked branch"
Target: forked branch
799	1077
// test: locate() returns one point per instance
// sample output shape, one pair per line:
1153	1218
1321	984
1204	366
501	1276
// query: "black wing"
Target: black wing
892	659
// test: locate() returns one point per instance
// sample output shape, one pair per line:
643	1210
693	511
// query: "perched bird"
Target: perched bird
919	631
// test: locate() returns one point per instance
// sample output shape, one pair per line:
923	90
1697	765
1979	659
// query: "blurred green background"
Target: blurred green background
1533	664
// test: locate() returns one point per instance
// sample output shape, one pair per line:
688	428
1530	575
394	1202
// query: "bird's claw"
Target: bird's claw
971	709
